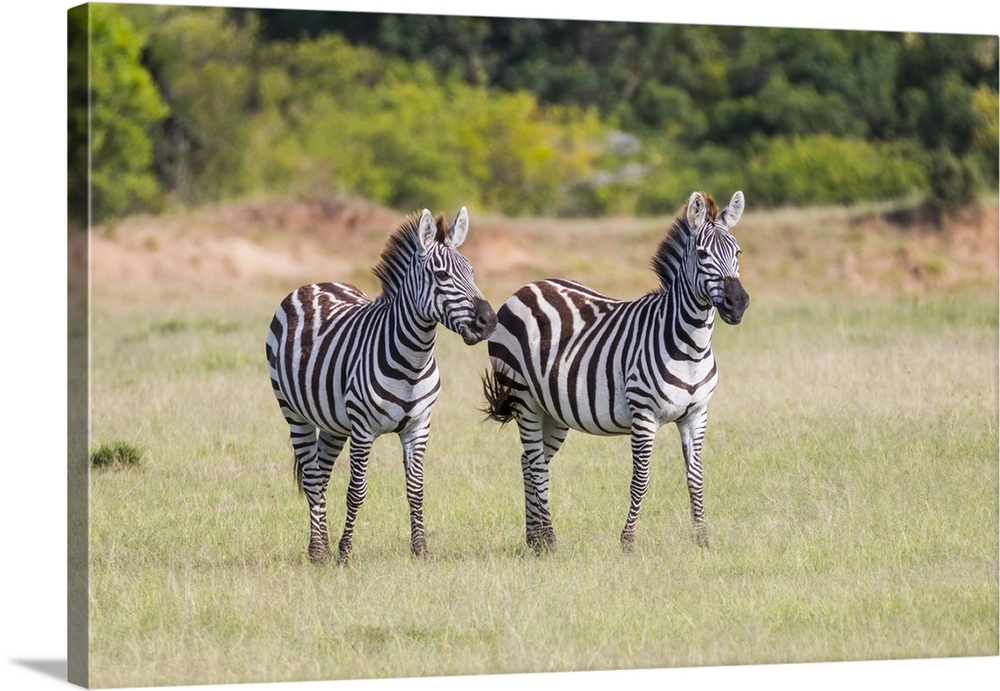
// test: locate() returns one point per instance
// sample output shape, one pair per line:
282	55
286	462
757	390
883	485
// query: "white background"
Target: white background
33	275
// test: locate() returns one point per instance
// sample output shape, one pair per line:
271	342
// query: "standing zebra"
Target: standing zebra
564	356
350	367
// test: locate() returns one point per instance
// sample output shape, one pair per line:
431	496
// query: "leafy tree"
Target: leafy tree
125	107
203	61
938	76
986	139
78	114
952	184
870	87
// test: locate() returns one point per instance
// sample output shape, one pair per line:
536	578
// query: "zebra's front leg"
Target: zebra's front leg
357	488
414	444
692	429
643	433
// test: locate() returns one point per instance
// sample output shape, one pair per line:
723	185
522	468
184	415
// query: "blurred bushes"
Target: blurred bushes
198	104
821	169
204	64
953	184
397	134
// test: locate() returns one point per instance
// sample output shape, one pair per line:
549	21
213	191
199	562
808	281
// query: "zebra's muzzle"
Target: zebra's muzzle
481	327
734	301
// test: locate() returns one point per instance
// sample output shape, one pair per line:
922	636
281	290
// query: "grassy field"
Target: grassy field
851	484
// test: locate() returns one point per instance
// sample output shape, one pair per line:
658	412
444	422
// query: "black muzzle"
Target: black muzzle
734	301
481	327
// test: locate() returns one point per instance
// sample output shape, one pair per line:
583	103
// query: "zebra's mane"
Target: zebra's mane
670	251
399	250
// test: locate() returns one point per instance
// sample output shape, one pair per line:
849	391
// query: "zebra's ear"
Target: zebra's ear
459	229
697	210
427	230
731	214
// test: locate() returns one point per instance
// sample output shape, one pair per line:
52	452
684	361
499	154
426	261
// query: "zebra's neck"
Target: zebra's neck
691	320
411	334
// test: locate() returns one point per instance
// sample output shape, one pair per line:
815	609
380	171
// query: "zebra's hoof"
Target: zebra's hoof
542	541
419	549
344	550
628	542
319	558
319	552
549	540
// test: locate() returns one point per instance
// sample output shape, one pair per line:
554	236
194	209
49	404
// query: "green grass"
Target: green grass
851	491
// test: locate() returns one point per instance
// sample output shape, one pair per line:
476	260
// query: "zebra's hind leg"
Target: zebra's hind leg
315	480
311	480
643	433
357	489
541	437
414	444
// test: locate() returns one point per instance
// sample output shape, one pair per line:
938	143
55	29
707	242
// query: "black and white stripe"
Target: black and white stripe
566	357
347	367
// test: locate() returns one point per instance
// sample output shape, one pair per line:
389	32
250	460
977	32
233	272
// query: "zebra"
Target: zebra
344	366
564	356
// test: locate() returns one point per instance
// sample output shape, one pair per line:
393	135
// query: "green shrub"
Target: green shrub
823	169
657	179
204	61
953	183
115	454
409	138
986	104
717	170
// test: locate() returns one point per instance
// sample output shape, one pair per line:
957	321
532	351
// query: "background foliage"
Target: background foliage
521	116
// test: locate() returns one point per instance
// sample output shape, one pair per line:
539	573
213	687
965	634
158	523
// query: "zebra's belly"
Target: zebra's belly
615	417
594	403
376	407
399	410
606	427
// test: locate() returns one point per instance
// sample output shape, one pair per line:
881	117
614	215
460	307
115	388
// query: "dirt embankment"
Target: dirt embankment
232	248
236	247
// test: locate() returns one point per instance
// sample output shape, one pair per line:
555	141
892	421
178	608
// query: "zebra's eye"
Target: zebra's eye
702	254
441	275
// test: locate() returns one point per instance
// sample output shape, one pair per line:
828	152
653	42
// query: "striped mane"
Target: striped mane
398	252
670	252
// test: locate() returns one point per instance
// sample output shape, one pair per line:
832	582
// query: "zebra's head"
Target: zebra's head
716	265
448	293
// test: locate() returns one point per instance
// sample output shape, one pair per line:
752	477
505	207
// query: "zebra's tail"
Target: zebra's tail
299	475
499	402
